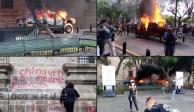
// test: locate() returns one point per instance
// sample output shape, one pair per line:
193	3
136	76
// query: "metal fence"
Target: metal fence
22	33
28	34
86	60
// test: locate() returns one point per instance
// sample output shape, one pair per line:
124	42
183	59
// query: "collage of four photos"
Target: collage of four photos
96	55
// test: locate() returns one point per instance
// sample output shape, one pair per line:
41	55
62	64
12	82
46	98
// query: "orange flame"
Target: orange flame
62	14
164	82
51	14
155	17
141	81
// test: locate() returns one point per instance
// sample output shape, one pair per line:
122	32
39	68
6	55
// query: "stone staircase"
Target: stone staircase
84	78
5	69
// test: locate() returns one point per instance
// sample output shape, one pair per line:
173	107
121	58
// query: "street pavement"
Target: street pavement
138	46
80	34
182	102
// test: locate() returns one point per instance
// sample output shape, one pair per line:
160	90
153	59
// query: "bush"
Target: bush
99	89
120	89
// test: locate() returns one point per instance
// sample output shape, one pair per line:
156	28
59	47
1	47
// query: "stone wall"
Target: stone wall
34	87
8	17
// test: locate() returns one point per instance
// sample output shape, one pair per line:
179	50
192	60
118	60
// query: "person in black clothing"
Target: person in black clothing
101	31
128	28
151	106
68	97
132	95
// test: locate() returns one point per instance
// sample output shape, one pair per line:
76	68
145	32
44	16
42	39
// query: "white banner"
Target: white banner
179	79
108	75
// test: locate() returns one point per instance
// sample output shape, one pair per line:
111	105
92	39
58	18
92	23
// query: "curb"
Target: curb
128	51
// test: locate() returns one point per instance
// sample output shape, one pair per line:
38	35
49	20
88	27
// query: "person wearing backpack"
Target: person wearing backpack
68	97
169	43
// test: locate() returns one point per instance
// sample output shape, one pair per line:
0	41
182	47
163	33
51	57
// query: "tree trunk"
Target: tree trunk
190	74
118	67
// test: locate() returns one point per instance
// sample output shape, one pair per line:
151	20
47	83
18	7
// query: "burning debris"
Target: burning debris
150	13
58	21
48	20
158	81
151	23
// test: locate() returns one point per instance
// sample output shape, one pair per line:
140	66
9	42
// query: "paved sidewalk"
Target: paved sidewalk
183	102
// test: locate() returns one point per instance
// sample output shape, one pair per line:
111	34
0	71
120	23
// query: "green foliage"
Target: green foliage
191	20
170	20
105	9
120	89
99	89
128	64
167	62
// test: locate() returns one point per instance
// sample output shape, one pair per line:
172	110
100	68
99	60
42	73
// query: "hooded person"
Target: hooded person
68	97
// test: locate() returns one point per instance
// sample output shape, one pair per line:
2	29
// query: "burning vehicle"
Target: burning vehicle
151	23
58	21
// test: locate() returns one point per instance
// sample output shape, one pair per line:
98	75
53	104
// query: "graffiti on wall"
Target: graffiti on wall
37	78
37	73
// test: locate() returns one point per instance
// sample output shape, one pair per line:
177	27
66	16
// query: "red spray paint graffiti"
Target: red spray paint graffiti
33	78
89	108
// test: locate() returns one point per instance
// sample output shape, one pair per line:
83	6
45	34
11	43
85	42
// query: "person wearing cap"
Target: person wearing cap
152	106
132	95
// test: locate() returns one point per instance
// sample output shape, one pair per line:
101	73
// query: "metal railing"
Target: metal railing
86	60
34	33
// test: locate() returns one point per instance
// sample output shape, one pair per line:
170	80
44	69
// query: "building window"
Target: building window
86	60
6	4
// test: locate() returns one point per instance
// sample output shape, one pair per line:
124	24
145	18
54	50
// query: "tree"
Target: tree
185	64
181	9
119	65
170	20
167	64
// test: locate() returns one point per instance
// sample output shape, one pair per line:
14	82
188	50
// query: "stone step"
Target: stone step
83	73
82	70
3	76
82	77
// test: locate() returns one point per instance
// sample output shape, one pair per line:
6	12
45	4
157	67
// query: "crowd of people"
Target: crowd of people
107	31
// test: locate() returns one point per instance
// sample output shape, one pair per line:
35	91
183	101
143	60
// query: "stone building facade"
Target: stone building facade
10	11
34	84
